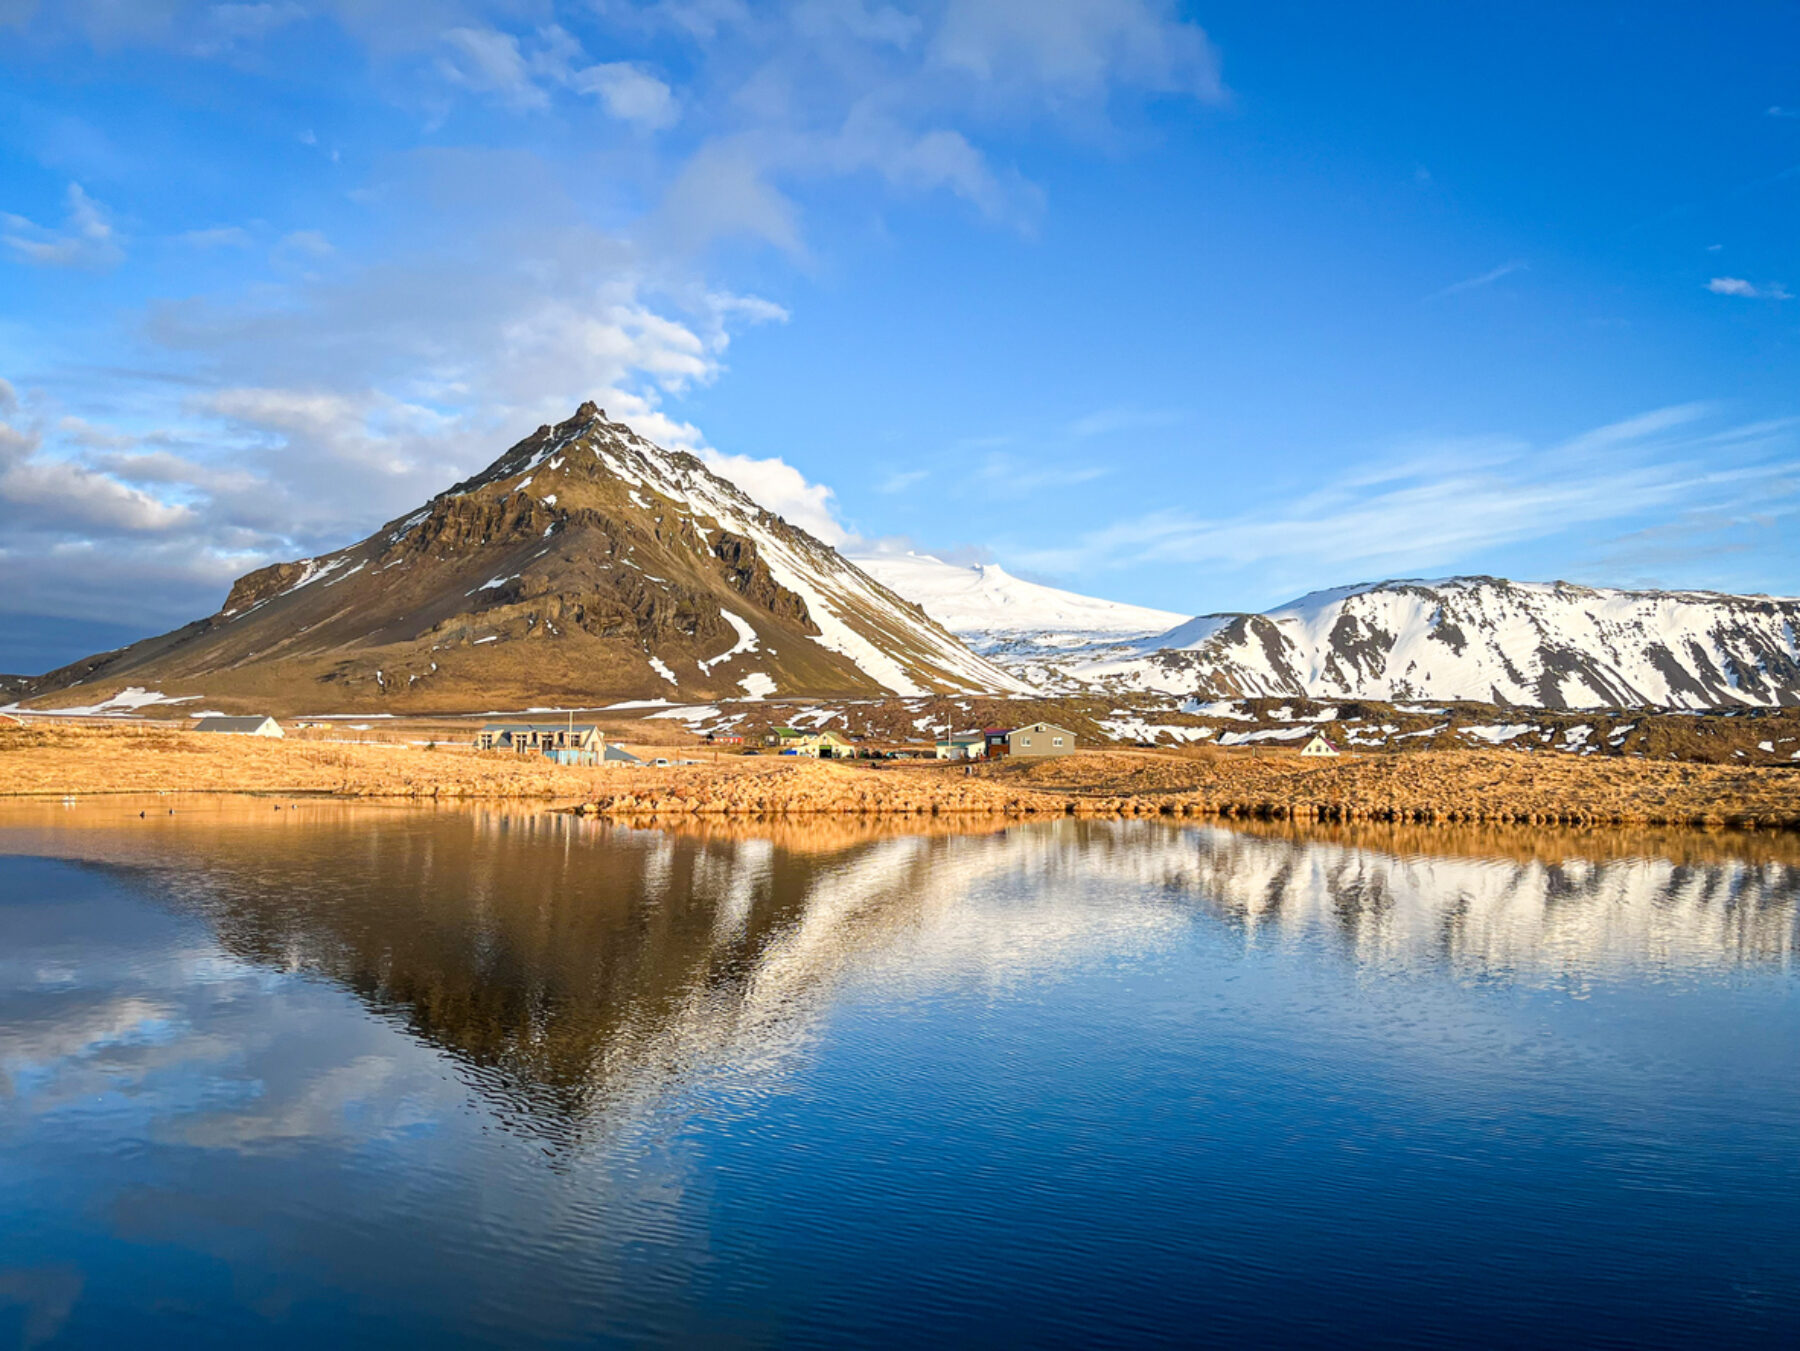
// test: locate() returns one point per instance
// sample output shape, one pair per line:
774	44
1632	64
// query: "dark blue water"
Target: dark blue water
388	1077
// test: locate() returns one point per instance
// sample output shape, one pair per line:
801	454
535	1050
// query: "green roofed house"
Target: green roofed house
819	745
566	743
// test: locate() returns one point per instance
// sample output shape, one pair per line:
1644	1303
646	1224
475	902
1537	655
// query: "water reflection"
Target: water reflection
577	966
620	1076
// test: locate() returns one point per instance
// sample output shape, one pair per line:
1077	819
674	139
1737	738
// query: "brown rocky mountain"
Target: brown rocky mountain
585	564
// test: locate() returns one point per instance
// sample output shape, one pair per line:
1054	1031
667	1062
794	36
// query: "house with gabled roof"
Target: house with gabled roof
256	725
1039	740
1319	748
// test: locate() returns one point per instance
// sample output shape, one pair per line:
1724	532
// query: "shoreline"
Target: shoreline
1417	788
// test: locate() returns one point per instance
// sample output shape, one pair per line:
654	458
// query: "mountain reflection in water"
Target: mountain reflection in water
601	988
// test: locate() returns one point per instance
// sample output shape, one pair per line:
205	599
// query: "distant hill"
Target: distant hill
1485	639
1036	631
585	564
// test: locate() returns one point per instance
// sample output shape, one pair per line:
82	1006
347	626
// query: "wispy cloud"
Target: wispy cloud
1738	286
1019	474
217	237
900	481
1106	421
1776	110
1429	512
86	237
1487	278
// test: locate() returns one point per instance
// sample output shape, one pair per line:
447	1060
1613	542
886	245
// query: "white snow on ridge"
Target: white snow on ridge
985	598
1481	639
1036	632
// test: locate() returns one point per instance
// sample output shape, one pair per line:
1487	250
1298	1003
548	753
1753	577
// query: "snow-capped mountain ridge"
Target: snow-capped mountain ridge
585	563
1033	630
1543	644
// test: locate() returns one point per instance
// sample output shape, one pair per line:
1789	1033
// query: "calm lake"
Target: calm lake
352	1075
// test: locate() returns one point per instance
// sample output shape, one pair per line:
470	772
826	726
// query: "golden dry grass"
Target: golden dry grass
1435	787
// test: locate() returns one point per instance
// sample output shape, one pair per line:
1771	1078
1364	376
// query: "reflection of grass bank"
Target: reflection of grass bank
1457	787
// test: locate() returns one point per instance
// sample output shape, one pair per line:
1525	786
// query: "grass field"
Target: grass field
1429	787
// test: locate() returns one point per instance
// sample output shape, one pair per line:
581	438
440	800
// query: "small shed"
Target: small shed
962	746
1319	748
1040	739
256	725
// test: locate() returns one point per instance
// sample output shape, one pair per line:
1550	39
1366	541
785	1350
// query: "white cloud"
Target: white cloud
85	239
1055	50
525	72
489	61
1737	286
629	93
784	490
39	491
901	480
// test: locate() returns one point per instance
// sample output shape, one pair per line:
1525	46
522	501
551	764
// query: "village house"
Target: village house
826	745
257	725
724	739
962	746
566	743
1040	739
1319	748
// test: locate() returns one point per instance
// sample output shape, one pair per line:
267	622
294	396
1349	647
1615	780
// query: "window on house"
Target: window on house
1056	741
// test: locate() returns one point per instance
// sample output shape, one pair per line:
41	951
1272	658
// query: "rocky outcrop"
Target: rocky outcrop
750	577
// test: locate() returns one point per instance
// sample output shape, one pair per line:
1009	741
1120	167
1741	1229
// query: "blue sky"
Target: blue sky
1195	305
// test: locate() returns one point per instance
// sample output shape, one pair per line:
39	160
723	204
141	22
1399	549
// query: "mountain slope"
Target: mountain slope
1486	639
1036	631
585	563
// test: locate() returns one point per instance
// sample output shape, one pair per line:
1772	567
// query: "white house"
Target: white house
252	726
962	746
1319	748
